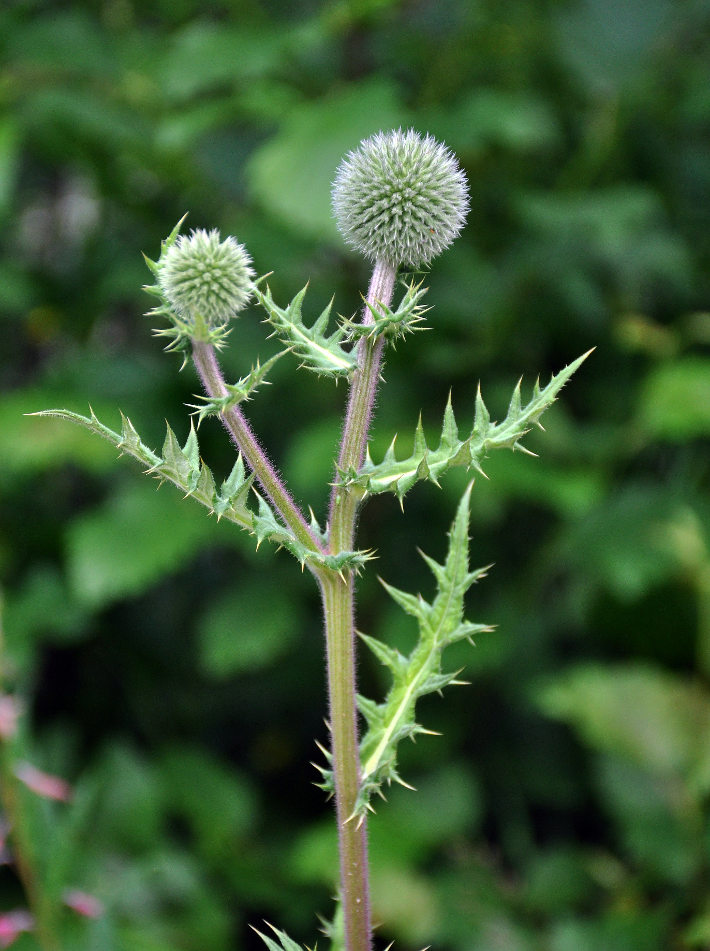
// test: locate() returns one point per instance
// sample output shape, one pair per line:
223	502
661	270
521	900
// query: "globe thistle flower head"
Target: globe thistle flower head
400	198
205	281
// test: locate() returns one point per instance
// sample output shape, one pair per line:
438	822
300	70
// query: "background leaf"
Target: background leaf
133	539
304	155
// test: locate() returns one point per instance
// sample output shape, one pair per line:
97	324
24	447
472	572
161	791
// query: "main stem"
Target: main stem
339	611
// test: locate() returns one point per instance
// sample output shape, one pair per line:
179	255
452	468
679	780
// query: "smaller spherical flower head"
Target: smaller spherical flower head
400	198
205	281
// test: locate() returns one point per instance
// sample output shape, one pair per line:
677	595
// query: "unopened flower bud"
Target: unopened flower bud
400	198
205	281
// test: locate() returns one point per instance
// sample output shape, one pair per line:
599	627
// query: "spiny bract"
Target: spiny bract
400	198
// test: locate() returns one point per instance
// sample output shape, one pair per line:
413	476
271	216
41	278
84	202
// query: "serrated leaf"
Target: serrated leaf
317	352
174	466
284	942
388	656
408	602
266	525
440	623
237	392
370	709
205	489
175	461
235	480
388	323
182	467
398	476
191	450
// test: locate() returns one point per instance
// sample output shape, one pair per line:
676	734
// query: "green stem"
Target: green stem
352	833
239	429
339	612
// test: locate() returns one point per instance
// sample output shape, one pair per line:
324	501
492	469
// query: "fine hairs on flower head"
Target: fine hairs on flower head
400	198
206	281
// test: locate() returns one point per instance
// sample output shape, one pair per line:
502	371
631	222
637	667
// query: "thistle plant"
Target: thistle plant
399	199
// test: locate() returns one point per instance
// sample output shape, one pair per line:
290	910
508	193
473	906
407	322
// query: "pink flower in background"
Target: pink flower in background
12	924
83	904
10	710
49	787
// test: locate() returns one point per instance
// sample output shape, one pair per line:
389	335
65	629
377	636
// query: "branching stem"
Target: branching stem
338	592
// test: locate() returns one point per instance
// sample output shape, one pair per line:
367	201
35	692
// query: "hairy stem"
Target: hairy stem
236	424
339	611
363	389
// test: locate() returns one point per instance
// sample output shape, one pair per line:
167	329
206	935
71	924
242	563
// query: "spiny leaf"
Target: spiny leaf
236	392
334	929
398	476
284	943
347	561
234	490
389	323
320	353
267	526
388	656
164	246
179	465
182	466
441	623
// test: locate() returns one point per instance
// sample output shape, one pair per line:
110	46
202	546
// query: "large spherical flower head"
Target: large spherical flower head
205	281
400	198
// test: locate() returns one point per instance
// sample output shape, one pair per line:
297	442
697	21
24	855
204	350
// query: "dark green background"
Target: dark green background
173	674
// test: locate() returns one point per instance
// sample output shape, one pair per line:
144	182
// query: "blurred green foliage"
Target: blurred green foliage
565	807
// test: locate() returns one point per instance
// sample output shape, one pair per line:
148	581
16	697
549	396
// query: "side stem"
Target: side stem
236	424
339	611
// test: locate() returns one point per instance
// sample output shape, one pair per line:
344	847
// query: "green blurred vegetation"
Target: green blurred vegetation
565	807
